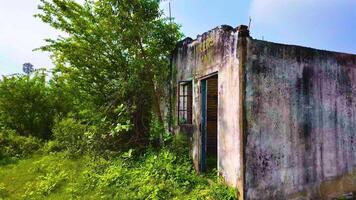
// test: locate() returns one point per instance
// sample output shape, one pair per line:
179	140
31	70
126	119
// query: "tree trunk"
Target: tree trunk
156	97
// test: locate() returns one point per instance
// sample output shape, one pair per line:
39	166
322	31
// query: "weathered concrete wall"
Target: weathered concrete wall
300	125
286	114
215	52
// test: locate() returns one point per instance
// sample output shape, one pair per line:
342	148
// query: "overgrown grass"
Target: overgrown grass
48	176
154	174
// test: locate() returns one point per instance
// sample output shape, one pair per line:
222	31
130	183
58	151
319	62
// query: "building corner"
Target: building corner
243	34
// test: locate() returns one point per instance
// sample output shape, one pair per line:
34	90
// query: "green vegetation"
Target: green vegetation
14	146
153	174
117	54
27	105
93	127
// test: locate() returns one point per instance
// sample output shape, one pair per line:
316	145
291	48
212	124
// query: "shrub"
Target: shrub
45	185
163	174
77	138
14	145
69	135
159	136
52	146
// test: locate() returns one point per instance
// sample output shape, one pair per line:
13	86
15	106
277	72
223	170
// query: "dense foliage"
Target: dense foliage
26	105
117	52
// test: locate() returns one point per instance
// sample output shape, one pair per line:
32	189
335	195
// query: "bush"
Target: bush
45	185
76	138
14	145
52	146
68	135
159	136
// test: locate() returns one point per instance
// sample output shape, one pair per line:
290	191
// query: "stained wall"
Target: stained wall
214	52
286	114
300	122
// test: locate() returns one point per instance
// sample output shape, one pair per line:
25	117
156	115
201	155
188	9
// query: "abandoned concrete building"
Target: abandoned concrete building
277	121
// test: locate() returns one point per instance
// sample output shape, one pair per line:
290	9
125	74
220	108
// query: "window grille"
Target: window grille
185	101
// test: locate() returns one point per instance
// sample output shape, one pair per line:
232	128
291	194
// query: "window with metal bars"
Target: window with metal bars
185	101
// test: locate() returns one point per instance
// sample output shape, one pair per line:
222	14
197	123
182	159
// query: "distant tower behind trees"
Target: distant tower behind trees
27	68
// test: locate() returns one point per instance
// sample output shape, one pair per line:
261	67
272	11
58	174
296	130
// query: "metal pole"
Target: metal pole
170	12
170	126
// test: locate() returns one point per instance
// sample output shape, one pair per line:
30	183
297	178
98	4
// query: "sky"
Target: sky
322	24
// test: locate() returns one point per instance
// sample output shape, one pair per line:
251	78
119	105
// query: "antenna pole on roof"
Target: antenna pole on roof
249	23
170	12
171	89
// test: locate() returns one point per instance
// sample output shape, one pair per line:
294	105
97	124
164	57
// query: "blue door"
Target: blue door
209	123
203	127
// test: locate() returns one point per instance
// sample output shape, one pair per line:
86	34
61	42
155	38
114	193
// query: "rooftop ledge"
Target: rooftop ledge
242	30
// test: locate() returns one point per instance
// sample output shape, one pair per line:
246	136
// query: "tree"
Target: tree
26	105
117	51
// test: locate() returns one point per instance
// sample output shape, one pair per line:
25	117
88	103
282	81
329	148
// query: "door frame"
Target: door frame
203	119
203	122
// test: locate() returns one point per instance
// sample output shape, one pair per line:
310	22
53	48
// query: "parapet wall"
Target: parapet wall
300	122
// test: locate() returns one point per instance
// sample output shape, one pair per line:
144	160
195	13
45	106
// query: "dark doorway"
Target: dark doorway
209	123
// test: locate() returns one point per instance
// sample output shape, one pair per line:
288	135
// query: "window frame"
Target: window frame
187	97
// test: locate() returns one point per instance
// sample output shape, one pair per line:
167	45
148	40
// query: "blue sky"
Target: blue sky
323	24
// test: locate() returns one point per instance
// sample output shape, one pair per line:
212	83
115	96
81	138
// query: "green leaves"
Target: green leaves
121	125
119	128
128	154
70	134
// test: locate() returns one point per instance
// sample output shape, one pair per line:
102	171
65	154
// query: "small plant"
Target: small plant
122	124
159	134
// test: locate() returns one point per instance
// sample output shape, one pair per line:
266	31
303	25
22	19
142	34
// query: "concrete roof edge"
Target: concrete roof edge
224	27
306	47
